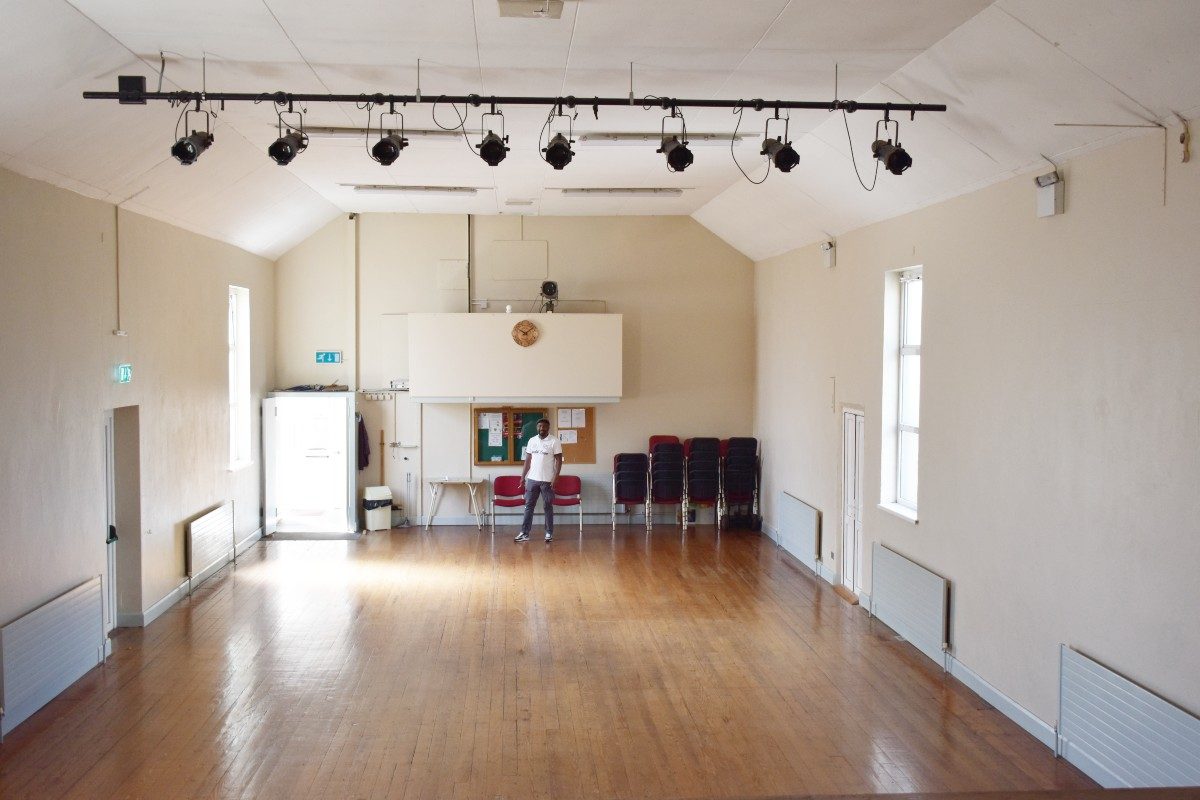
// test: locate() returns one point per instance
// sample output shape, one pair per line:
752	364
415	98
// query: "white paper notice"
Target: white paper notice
578	417
564	418
495	429
568	437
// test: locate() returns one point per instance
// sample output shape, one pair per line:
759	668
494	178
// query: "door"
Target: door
110	524
309	471
853	429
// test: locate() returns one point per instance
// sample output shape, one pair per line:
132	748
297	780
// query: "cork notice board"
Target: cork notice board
576	428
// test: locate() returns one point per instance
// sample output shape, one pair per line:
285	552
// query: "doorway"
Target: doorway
123	532
853	430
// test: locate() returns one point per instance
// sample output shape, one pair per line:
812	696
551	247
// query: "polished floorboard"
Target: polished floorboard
448	664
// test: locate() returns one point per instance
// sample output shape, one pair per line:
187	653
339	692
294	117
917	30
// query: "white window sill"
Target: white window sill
240	465
903	512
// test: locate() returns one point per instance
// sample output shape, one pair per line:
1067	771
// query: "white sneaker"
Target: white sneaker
549	536
522	537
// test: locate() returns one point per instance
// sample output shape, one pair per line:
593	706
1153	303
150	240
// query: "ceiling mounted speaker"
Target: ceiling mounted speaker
531	9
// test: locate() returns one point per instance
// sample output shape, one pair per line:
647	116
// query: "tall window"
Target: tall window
908	410
239	377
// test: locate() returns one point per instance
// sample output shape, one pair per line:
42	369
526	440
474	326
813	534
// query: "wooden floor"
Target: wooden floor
450	665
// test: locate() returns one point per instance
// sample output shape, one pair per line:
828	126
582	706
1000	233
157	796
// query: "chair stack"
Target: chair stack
739	481
703	472
630	485
668	485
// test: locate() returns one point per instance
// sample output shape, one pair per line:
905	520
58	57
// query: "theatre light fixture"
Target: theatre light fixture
188	148
779	150
388	148
895	159
290	144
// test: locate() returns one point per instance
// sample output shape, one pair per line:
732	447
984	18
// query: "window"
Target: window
908	412
239	377
902	392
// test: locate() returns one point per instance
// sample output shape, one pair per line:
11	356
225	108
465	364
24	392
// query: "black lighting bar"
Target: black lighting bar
132	91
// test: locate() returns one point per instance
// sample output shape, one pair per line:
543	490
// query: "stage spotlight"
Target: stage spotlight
492	149
559	152
895	158
189	148
387	149
287	147
679	157
782	154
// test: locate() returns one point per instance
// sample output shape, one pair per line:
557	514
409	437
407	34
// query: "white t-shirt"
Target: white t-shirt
541	461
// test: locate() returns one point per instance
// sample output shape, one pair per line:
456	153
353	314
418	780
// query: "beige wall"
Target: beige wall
686	298
1060	414
57	313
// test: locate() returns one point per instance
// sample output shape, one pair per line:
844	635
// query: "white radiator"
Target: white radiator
1120	734
912	601
211	544
800	529
47	650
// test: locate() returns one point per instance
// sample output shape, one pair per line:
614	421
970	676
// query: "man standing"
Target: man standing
543	460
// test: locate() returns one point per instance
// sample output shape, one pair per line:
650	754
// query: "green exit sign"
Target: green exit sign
329	356
124	373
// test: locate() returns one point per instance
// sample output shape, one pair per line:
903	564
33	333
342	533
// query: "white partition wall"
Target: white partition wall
473	358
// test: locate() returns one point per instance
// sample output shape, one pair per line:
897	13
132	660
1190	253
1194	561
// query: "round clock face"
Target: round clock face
525	333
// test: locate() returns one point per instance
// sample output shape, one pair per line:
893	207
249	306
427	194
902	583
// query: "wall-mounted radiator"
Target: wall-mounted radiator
211	544
800	529
47	650
912	601
1120	734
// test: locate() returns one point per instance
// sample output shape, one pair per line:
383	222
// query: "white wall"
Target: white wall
57	313
686	298
1060	413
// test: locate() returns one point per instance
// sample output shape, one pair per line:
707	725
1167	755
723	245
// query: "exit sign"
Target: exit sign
124	373
329	356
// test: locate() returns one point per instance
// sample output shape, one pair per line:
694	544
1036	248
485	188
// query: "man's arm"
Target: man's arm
525	469
557	466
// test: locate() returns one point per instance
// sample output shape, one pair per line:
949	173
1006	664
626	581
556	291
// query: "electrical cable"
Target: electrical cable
854	161
461	126
733	155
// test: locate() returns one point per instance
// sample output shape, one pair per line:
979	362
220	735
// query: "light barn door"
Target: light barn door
852	504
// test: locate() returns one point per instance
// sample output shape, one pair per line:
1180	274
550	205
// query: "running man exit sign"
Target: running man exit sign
124	373
329	356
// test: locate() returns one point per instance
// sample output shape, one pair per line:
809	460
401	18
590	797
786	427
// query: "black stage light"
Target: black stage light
287	147
679	157
894	157
189	148
782	154
492	148
559	152
387	149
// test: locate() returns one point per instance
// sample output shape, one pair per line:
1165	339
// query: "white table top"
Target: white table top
457	480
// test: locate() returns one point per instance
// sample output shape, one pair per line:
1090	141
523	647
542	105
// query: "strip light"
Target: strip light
655	139
623	192
428	191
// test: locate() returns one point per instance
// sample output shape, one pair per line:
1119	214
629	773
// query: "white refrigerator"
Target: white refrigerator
310	458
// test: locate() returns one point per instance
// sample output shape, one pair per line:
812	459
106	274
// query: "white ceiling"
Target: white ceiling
1008	71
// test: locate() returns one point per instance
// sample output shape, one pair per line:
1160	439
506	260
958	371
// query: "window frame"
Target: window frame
906	278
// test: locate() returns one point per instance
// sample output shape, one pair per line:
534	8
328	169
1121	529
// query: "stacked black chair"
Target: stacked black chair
739	480
703	485
630	485
667	481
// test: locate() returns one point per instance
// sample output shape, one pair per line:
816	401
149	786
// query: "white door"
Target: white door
310	478
110	524
853	429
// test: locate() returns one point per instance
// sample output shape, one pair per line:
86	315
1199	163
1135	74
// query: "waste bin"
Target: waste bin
377	508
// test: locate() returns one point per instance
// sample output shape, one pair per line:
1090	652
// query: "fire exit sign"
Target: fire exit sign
124	373
329	356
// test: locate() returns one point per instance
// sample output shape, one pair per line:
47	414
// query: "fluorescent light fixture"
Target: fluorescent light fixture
335	132
655	139
518	202
623	192
428	191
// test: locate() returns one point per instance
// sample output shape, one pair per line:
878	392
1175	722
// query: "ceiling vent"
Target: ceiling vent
531	9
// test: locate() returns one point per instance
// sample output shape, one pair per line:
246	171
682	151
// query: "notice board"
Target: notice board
576	427
501	433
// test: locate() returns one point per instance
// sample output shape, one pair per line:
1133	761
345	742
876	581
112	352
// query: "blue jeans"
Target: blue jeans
532	490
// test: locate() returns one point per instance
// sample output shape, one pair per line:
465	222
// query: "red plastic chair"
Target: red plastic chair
506	493
568	491
630	484
662	439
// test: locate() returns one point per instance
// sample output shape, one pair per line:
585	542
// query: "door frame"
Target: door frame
110	522
850	563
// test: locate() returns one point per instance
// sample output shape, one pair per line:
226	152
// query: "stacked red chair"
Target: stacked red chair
703	475
667	477
739	481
